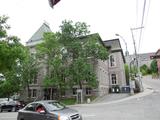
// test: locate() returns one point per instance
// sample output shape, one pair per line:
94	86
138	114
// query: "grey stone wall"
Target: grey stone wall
118	69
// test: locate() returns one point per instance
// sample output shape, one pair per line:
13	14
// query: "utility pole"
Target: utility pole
131	82
136	57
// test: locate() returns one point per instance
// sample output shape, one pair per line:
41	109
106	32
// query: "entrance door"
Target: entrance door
50	93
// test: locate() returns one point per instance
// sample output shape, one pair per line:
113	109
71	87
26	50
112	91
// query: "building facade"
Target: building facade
37	90
158	60
156	56
142	59
116	61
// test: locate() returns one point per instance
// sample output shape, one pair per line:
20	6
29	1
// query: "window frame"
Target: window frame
88	91
31	93
112	61
74	91
34	107
113	80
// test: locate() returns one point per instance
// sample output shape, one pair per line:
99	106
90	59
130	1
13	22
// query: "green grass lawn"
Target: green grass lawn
72	101
68	101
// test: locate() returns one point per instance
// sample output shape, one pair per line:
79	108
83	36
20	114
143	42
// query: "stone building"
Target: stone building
37	89
110	73
116	61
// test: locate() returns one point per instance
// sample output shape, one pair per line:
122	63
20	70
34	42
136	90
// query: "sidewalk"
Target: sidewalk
111	97
116	98
147	91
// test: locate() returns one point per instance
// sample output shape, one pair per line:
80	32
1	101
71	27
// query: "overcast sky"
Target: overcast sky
106	17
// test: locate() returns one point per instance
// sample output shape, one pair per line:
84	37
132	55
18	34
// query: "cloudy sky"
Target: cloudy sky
106	17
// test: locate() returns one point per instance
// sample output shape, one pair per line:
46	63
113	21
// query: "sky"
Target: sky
106	17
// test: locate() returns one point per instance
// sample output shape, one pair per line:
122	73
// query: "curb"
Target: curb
147	91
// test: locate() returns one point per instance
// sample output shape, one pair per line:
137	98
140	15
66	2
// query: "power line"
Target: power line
142	22
136	12
144	7
148	10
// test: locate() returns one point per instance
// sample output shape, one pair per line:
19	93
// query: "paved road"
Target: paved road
143	108
8	116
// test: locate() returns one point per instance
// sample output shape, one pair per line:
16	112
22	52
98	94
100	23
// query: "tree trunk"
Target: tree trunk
80	85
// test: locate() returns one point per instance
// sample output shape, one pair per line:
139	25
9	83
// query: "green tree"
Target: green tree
6	89
11	49
80	48
154	69
51	53
3	26
27	71
68	54
153	66
144	69
11	53
10	85
126	67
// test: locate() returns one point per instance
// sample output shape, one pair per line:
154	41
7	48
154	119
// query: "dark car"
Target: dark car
10	106
47	110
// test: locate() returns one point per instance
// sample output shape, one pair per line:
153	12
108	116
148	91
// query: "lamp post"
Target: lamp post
126	53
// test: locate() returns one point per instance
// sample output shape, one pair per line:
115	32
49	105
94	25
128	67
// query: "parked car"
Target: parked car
10	105
47	110
5	99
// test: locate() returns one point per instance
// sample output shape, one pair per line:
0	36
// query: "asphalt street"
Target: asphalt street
137	108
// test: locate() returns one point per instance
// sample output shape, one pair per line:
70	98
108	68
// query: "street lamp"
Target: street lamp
126	53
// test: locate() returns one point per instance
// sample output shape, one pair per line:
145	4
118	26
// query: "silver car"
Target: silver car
47	110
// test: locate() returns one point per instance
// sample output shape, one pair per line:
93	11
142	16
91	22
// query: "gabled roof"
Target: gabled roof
38	35
96	36
114	46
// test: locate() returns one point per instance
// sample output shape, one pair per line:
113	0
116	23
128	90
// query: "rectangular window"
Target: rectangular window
88	91
35	79
113	79
74	91
34	94
112	61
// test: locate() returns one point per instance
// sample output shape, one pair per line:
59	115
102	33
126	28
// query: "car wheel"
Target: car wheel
14	109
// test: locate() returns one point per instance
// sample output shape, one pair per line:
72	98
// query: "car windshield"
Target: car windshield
54	106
